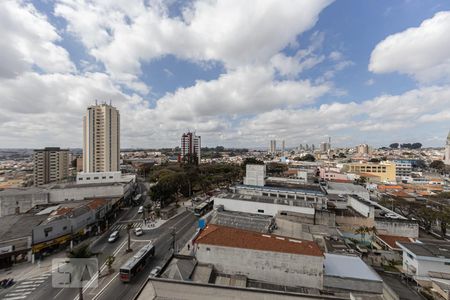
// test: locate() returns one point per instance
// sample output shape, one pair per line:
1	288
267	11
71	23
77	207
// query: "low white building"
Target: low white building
262	205
268	258
103	177
422	260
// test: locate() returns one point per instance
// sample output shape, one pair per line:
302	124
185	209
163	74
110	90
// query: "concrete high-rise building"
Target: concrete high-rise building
447	150
51	164
273	146
362	149
190	147
324	147
283	146
101	139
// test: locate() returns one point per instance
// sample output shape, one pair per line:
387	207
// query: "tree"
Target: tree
342	155
109	261
394	146
362	231
416	146
251	161
129	227
361	180
437	164
276	168
81	251
308	157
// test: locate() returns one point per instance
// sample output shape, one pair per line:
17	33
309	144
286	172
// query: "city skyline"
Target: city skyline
173	67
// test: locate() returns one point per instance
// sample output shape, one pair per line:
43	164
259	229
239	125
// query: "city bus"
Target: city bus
203	208
136	263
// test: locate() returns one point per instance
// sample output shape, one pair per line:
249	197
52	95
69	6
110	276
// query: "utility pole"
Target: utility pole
173	233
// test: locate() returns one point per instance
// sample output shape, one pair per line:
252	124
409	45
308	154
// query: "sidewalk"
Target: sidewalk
160	222
27	270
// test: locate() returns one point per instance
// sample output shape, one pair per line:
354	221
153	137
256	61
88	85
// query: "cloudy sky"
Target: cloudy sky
238	72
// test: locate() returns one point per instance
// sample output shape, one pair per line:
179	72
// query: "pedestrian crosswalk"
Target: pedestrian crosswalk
23	289
124	226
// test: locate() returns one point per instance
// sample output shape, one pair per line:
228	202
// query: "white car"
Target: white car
113	237
155	272
138	231
140	210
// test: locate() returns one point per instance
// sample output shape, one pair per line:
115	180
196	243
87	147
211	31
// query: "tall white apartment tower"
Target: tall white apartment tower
447	150
190	147
101	139
273	146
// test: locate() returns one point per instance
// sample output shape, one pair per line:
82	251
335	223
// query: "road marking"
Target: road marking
58	293
28	284
101	291
18	294
103	267
15	298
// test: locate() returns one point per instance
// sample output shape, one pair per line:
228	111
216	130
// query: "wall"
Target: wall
255	175
99	177
397	227
258	207
58	228
80	192
352	284
292	229
349	223
171	289
24	200
275	267
364	209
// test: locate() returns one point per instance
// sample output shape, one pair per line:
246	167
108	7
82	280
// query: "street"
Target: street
110	287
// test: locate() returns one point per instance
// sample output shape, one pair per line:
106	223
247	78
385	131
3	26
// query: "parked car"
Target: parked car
140	210
155	272
138	231
113	237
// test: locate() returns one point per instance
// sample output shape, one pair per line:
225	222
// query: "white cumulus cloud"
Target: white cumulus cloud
421	52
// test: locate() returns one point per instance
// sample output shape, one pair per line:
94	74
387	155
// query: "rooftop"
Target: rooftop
436	250
306	190
266	199
238	238
348	188
242	220
391	240
18	226
348	267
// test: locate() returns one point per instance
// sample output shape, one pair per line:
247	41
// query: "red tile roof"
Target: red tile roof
238	238
96	203
391	240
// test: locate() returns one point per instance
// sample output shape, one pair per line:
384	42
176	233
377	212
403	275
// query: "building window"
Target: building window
103	177
88	178
95	177
410	255
47	231
65	228
81	178
261	210
208	249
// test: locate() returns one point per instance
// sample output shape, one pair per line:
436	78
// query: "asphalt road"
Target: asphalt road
161	238
185	228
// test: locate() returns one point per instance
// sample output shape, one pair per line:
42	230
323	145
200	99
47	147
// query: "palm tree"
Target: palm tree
81	251
373	230
362	230
129	227
109	261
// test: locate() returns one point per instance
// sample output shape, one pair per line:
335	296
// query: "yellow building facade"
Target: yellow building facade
385	171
